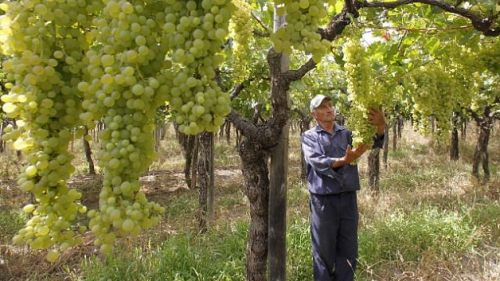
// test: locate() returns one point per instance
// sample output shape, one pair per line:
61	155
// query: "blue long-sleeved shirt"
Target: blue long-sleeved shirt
321	149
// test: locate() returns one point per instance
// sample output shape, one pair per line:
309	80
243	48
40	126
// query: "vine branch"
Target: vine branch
482	24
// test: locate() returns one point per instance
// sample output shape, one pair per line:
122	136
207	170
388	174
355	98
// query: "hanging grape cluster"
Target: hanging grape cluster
301	29
435	94
362	93
197	31
74	62
123	87
44	100
241	31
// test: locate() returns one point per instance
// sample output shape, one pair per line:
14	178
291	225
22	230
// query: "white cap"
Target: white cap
317	100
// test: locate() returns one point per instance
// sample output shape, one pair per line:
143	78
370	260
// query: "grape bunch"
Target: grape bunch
123	85
241	31
44	100
435	93
301	29
362	94
197	31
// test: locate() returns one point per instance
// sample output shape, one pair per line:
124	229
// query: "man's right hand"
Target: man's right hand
351	155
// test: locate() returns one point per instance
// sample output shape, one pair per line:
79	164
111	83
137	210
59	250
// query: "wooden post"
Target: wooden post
278	189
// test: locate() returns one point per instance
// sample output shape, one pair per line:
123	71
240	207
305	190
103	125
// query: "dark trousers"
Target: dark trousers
334	231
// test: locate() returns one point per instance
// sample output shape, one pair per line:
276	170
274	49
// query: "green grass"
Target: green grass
219	255
11	221
487	217
409	236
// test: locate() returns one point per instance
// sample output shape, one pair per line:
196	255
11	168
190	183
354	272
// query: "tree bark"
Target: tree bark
88	152
256	113
386	146
164	130
238	138
454	151
374	169
205	177
188	146
255	172
395	133
157	136
222	128
194	163
401	124
2	143
305	124
464	130
228	133
481	157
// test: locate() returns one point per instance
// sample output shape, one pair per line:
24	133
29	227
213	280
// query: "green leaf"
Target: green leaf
433	44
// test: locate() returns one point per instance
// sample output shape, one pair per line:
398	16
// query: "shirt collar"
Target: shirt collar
336	128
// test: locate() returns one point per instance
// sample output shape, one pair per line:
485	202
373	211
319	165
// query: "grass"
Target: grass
430	221
11	221
216	256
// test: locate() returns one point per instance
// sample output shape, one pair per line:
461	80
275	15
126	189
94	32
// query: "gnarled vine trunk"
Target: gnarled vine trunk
205	178
401	124
395	134
189	146
386	145
454	151
88	152
305	124
481	157
2	142
374	169
256	188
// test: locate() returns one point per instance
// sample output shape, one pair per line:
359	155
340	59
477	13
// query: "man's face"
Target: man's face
324	113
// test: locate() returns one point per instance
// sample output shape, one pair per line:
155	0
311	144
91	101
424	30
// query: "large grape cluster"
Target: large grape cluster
362	93
124	86
73	62
241	31
435	93
43	99
301	29
197	30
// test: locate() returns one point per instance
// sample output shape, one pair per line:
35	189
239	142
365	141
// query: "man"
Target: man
333	183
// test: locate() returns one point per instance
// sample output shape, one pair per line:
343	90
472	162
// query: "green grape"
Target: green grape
362	94
436	94
122	89
196	46
303	21
241	30
44	100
